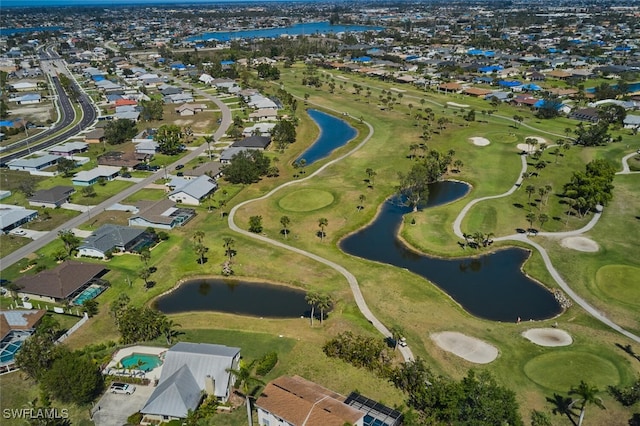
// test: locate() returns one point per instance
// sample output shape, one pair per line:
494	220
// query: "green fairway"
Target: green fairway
620	282
306	200
558	371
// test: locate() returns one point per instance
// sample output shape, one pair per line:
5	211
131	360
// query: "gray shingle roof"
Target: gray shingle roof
174	396
198	187
107	237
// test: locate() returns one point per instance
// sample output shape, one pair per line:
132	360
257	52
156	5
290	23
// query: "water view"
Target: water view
235	297
334	133
305	28
490	286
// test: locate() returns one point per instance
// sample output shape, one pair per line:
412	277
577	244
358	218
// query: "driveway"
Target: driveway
113	409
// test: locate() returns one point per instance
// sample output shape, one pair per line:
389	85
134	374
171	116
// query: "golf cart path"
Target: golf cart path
625	164
351	279
545	256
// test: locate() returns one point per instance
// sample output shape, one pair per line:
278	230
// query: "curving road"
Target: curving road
80	219
545	256
351	279
67	115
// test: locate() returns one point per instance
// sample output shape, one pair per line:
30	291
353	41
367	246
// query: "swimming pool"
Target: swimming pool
144	362
88	294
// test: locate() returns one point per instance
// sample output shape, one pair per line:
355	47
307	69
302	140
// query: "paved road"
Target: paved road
79	220
545	256
351	279
67	116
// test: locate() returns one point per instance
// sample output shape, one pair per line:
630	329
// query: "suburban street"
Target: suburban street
82	218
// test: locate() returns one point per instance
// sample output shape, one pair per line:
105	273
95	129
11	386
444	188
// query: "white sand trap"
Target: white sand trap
472	349
548	337
526	148
580	244
480	141
453	104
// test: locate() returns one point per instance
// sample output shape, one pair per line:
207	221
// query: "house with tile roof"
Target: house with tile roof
294	401
61	283
15	327
190	371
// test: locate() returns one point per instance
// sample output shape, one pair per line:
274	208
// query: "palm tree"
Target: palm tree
200	250
361	198
244	380
530	189
285	221
198	237
563	406
531	217
312	299
228	247
371	174
325	302
322	223
587	395
458	165
167	328
543	218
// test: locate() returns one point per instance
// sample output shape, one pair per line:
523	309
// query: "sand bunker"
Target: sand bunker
472	349
526	148
537	138
580	244
480	141
453	104
548	337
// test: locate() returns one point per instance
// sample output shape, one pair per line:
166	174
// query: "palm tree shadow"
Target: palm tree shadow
564	406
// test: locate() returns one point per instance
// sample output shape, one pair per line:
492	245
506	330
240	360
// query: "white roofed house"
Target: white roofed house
161	214
192	192
35	164
264	114
261	129
189	371
89	177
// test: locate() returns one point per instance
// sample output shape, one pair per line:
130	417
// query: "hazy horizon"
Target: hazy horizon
90	3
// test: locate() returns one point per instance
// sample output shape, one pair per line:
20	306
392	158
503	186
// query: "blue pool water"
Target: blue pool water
633	87
334	133
144	362
8	352
87	294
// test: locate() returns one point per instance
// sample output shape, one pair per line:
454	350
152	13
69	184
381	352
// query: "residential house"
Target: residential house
52	197
450	87
254	141
178	98
23	86
265	114
68	149
60	284
262	129
586	114
33	164
27	99
161	214
12	217
193	191
295	401
227	155
189	372
113	238
632	122
213	169
15	327
476	92
90	177
95	136
190	109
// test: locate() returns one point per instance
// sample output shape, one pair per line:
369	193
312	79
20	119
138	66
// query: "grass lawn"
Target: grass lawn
396	296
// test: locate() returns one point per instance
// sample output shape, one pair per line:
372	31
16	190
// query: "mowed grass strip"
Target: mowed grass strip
620	282
306	200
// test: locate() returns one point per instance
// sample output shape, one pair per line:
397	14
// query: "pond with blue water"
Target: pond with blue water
334	133
490	285
235	297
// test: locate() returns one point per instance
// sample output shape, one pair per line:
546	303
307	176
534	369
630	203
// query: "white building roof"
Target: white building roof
100	171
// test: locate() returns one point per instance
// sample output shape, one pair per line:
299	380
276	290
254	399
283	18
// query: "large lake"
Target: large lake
307	28
490	286
334	133
235	297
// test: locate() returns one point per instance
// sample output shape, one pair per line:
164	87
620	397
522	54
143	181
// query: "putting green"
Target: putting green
620	282
306	200
559	371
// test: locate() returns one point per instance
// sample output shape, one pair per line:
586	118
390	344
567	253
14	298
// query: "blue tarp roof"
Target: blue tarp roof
531	86
6	123
490	68
507	83
553	50
227	62
541	103
362	59
97	77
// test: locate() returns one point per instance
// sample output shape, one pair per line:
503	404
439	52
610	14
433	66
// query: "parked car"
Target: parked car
180	166
19	232
124	388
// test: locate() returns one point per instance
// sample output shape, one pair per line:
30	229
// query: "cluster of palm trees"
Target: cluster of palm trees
321	301
477	239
